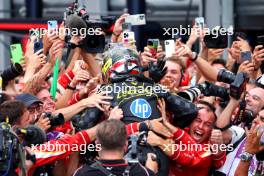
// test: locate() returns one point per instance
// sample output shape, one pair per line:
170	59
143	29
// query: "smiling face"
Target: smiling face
174	73
255	99
201	127
48	103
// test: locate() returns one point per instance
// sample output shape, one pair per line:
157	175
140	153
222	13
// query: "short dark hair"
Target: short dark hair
219	61
111	134
210	107
12	109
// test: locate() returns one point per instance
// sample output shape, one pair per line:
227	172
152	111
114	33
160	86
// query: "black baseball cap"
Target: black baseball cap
28	99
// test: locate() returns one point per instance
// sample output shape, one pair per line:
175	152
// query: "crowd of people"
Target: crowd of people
135	133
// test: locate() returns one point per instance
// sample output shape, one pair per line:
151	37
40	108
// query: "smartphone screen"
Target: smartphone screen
153	46
126	27
199	21
38	45
16	52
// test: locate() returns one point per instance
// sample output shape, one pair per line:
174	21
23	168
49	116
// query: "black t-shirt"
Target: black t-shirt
116	167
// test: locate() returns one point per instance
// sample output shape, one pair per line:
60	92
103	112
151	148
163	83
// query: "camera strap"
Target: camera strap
98	165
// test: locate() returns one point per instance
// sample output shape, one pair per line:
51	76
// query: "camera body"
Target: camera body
94	39
55	120
237	82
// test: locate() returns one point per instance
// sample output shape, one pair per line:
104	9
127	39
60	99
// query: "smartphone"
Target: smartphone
217	38
52	24
16	52
260	40
38	45
241	35
128	37
245	56
199	21
126	27
169	47
138	19
153	46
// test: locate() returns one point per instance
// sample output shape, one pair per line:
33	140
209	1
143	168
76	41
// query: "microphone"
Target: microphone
32	135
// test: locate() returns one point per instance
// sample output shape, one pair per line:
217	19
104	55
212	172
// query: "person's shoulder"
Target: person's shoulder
138	169
86	170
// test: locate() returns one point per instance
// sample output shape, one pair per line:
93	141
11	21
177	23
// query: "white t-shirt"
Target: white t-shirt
232	159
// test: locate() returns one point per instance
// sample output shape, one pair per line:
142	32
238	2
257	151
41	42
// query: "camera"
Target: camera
94	39
225	76
11	73
237	82
55	120
238	85
207	89
9	150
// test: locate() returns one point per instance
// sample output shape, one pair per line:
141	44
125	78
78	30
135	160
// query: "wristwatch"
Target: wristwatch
245	156
194	56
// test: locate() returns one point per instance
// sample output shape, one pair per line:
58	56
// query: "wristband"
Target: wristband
143	127
69	87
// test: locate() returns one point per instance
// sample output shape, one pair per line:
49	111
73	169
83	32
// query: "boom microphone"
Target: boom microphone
32	135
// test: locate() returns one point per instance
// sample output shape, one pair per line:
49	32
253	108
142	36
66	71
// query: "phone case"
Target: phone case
169	47
138	19
38	45
52	25
16	53
128	37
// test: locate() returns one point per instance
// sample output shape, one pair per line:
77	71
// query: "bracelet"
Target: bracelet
70	87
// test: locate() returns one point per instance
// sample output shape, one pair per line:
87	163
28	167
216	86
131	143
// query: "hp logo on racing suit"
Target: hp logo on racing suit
140	108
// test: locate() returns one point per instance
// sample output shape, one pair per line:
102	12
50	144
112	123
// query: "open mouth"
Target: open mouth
198	134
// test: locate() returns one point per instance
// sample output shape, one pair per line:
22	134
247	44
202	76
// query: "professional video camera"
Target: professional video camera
207	89
55	120
78	18
10	150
